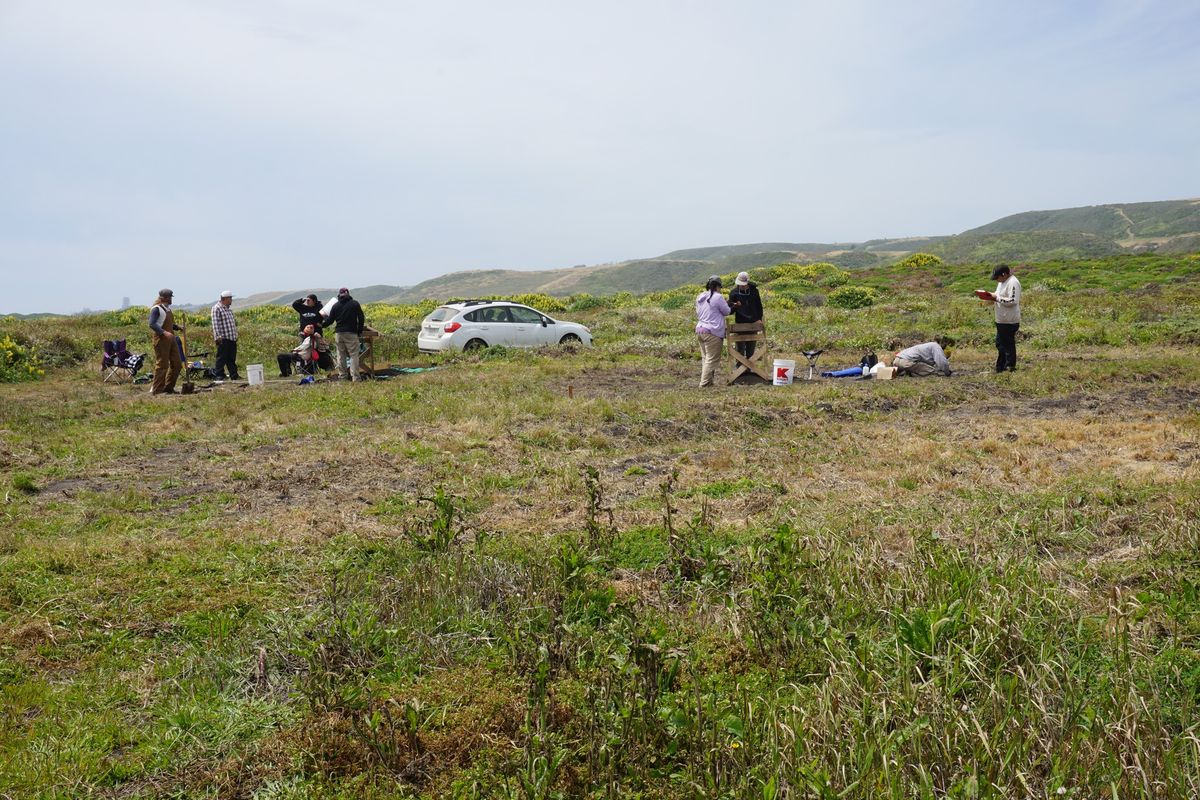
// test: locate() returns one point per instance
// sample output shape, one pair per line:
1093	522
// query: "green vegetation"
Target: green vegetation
919	261
571	573
852	297
18	362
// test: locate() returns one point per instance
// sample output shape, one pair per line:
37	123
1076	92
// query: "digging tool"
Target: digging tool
188	387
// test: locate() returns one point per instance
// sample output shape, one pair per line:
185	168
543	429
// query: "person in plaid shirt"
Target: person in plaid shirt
224	331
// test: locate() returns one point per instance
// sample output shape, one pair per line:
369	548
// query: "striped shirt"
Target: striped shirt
223	326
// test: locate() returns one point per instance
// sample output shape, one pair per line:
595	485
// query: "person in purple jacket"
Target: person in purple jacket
711	311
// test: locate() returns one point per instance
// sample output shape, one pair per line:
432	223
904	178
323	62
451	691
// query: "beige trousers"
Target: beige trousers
710	351
347	348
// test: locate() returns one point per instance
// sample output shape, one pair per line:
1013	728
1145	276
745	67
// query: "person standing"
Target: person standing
1007	299
224	331
747	307
309	309
167	360
711	311
346	316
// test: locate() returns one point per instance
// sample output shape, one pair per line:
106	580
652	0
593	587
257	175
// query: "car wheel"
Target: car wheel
475	344
570	338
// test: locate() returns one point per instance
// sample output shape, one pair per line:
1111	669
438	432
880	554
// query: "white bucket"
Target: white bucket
254	374
784	370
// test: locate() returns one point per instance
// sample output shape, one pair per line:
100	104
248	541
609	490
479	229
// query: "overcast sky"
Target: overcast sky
260	145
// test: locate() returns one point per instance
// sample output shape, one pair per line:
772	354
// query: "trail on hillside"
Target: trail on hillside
1128	221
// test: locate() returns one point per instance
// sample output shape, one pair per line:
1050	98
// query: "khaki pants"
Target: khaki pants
347	348
916	369
710	351
167	363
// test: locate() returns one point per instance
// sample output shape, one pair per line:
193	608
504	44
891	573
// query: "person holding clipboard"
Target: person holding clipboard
1007	300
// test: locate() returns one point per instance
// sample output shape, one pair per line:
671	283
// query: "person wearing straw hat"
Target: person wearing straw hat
711	311
225	336
167	361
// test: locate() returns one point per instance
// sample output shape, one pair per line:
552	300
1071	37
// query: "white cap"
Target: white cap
743	279
226	293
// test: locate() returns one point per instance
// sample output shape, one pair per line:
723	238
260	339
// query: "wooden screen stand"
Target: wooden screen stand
755	364
366	357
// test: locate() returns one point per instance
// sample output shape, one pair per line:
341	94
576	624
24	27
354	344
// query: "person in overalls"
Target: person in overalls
167	360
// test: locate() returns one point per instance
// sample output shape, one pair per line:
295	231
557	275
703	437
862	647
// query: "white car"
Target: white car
475	324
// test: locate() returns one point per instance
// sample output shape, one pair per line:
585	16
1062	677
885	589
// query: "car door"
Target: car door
498	322
529	330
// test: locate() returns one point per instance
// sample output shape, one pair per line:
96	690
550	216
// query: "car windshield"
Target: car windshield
440	314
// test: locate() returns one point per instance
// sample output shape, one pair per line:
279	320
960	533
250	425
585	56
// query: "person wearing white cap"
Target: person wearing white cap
224	331
747	307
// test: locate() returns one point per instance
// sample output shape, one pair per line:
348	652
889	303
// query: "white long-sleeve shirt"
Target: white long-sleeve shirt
1008	301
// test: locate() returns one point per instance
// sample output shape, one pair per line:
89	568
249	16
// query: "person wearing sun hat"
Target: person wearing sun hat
747	307
711	311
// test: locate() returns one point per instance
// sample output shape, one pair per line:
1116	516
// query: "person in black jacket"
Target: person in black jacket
309	309
347	318
747	307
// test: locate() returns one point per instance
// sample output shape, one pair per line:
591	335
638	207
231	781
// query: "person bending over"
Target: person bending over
923	360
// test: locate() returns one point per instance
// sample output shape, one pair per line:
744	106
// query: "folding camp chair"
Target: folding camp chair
118	363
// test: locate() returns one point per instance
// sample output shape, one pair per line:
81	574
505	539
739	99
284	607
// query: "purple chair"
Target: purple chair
118	363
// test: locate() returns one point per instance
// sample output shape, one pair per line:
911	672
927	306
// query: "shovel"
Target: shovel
188	387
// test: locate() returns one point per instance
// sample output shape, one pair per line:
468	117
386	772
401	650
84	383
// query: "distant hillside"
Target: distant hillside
1126	222
1171	226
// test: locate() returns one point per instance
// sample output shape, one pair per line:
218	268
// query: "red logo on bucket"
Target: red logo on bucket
781	372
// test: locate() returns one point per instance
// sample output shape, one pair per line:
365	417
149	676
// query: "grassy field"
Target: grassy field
574	574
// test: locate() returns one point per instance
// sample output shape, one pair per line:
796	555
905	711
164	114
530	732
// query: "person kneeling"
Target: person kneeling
923	360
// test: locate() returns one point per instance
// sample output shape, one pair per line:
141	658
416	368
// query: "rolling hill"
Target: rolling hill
1171	226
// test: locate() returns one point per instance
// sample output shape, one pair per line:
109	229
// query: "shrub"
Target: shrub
818	274
674	301
586	302
378	313
269	314
134	315
853	297
542	302
920	261
625	300
18	362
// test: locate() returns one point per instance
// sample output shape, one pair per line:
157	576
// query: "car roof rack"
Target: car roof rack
477	302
